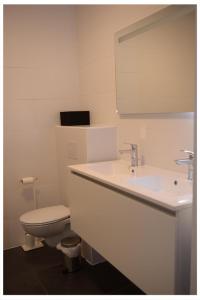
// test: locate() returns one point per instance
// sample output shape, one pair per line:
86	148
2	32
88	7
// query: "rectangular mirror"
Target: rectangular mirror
156	63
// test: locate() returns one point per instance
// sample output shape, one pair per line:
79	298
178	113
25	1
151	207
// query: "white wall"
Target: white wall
160	137
40	80
41	69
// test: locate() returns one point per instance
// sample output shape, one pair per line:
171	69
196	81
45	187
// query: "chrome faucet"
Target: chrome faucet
187	161
134	155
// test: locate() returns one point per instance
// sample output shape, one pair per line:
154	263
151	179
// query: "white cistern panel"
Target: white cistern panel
82	144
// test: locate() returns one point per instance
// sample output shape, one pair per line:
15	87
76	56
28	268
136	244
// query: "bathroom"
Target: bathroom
63	58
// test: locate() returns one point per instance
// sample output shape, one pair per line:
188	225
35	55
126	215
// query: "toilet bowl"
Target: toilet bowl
51	223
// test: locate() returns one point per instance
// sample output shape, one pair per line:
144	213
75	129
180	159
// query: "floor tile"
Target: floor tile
41	271
43	258
18	276
77	283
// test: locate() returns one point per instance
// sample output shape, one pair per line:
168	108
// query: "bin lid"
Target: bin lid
70	241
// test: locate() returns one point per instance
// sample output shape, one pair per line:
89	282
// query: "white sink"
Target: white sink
163	187
174	185
154	183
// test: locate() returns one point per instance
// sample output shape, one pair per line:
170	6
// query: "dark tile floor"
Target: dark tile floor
41	272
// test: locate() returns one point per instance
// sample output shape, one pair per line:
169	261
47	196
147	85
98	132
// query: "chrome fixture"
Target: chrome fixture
134	155
187	161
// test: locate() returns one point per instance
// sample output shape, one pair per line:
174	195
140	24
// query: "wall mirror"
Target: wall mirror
156	63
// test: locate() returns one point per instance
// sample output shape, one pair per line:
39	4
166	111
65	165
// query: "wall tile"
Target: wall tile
40	80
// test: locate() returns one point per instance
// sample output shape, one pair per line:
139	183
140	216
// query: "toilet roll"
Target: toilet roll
28	180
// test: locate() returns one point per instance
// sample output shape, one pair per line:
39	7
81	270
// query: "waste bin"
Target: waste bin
70	246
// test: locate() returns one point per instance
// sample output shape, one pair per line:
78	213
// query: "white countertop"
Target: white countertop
169	189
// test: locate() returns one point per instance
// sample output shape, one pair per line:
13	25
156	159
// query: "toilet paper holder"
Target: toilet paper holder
28	180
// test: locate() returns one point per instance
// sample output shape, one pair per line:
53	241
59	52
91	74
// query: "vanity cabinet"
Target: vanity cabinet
147	243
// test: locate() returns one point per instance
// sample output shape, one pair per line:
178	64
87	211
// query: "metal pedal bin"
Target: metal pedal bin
71	248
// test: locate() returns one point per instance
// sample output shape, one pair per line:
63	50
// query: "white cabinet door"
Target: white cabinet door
137	238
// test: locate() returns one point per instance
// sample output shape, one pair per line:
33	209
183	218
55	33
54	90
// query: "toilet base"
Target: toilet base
28	248
31	243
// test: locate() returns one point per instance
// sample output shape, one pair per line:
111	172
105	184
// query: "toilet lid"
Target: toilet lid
46	215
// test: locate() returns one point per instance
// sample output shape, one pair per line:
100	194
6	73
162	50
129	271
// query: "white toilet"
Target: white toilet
51	223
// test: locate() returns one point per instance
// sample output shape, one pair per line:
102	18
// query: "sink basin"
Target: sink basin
175	186
154	183
163	187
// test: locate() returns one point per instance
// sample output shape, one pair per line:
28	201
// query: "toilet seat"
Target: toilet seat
46	215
